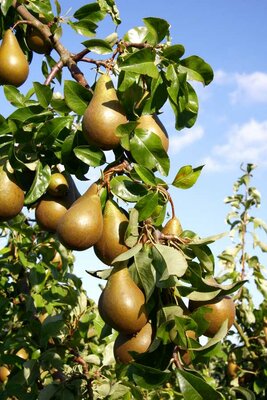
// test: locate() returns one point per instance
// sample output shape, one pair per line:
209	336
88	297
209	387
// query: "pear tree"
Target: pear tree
142	339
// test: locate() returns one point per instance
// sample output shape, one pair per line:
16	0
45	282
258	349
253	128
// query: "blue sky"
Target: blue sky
232	123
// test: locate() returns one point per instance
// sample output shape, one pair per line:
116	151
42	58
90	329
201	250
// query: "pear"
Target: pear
51	209
102	116
122	304
111	242
36	41
14	67
152	123
82	225
138	343
4	373
58	185
11	196
173	227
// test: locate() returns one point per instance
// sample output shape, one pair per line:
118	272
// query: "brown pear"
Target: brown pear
152	123
122	304
102	116
138	343
82	225
11	196
111	242
173	227
36	41
14	67
51	209
4	373
58	185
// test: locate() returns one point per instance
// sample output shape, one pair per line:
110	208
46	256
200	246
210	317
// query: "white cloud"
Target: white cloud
245	143
185	138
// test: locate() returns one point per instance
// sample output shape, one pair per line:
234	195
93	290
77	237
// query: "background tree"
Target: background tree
53	342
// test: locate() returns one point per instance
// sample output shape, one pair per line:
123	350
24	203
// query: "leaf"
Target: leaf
109	6
5	5
40	183
128	254
14	96
194	388
141	62
31	114
126	189
175	260
49	131
148	377
205	256
145	274
145	174
84	27
197	69
76	96
98	46
187	176
132	232
146	148
136	35
91	12
246	393
146	205
158	29
43	93
174	53
89	156
222	332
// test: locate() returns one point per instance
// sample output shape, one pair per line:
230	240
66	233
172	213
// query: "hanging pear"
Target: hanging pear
102	116
82	225
14	67
11	196
111	242
152	123
173	227
122	304
36	41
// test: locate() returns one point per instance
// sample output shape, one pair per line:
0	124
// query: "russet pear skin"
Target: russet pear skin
122	304
111	243
36	41
102	116
138	342
81	227
173	227
152	123
14	67
11	196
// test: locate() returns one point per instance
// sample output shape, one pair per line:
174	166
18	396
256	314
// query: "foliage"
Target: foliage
44	308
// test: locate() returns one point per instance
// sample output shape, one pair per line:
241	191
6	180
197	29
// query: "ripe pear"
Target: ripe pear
58	185
102	116
219	310
122	304
111	242
173	227
152	123
51	209
138	342
36	41
11	196
14	67
4	373
82	225
22	353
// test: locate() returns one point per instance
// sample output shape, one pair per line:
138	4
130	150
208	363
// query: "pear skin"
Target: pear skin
58	185
173	227
14	67
122	304
152	123
36	41
111	242
82	225
11	196
102	116
138	342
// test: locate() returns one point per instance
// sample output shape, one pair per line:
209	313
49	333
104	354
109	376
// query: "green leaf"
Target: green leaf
14	96
174	85
246	393
147	176
89	156
141	62
98	46
31	114
126	189
146	205
5	5
194	388
144	271
76	96
205	257
174	53
148	377
136	35
128	254
175	260
146	148
84	27
187	176
158	29
132	231
109	6
197	69
43	93
51	129
89	11
40	183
